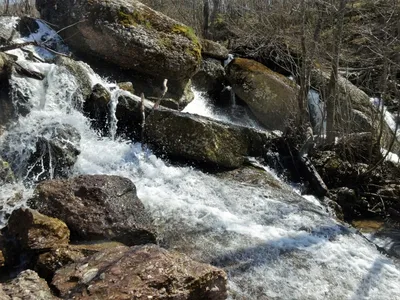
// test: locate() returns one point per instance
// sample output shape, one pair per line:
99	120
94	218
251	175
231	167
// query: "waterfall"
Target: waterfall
273	243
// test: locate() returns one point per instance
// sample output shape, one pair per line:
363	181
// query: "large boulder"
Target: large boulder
28	285
128	34
141	272
36	232
96	207
270	96
57	149
203	140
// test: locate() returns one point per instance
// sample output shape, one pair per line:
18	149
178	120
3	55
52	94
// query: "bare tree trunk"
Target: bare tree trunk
215	11
206	21
332	89
6	9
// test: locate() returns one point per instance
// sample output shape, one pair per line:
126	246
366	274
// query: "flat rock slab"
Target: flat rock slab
140	272
96	207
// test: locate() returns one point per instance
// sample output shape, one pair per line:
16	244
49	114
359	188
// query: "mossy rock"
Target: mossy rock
202	140
270	96
128	34
6	173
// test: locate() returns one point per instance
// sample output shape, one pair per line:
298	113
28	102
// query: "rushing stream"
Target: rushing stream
273	243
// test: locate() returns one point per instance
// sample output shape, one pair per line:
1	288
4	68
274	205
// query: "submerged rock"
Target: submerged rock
270	96
81	73
128	34
96	207
28	285
253	176
57	149
35	231
141	272
203	140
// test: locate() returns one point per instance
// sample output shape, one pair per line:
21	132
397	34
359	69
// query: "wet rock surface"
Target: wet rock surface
211	76
96	207
203	140
57	150
80	71
97	109
141	272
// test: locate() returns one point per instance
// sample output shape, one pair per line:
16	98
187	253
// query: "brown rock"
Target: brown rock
28	286
36	231
270	96
96	207
48	263
141	272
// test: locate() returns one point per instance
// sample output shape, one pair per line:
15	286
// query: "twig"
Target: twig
142	111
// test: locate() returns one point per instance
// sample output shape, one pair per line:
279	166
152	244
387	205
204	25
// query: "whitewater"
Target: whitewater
274	244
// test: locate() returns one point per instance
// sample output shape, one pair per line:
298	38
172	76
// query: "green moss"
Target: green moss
133	19
190	34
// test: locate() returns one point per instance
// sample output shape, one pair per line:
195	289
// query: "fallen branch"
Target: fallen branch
17	46
142	111
29	73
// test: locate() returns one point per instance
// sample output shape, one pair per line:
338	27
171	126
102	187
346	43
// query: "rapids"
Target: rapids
274	244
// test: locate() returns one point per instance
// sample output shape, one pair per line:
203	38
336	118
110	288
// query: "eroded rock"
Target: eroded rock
96	207
141	272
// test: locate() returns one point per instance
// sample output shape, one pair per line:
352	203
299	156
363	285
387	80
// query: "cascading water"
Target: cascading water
273	243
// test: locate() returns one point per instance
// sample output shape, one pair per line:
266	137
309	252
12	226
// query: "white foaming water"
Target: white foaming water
237	115
272	243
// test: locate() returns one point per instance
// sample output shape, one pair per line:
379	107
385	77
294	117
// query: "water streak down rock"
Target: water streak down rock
203	140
